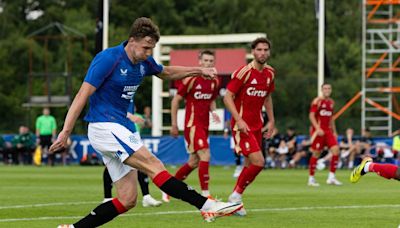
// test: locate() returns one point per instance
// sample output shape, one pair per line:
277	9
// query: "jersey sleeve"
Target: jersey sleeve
237	81
272	83
151	67
314	105
185	87
100	68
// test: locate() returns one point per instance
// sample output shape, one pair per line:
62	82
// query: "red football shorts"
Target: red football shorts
328	139
196	138
247	143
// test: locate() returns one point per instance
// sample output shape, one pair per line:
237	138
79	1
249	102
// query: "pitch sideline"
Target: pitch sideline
184	212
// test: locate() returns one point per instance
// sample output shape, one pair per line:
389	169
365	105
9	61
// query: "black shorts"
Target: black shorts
45	141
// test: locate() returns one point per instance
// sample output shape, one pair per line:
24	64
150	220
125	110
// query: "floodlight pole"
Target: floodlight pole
321	44
105	23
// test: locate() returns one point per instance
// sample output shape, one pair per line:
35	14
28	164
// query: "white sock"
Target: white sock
205	193
235	194
331	175
208	204
311	179
366	167
351	164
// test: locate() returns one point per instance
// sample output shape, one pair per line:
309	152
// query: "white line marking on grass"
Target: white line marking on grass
195	211
47	205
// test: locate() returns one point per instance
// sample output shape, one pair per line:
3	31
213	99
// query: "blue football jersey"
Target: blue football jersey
116	80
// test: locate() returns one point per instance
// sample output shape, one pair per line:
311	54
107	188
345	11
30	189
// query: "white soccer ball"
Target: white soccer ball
321	164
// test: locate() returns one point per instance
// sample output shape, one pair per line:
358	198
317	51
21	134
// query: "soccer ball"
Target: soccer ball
321	164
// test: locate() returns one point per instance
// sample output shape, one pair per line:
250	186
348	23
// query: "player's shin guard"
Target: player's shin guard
102	214
334	162
312	165
387	171
183	172
248	176
204	175
178	189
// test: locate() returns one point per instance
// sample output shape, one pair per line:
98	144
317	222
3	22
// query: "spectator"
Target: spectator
288	144
147	125
5	150
302	151
46	129
24	146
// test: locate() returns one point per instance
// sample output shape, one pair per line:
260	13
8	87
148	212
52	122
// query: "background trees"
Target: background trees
291	25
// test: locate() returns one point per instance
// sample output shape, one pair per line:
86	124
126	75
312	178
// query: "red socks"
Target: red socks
183	172
387	171
118	205
161	178
203	174
246	177
334	161
312	164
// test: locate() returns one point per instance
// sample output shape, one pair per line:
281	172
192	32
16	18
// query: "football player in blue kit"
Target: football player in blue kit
112	79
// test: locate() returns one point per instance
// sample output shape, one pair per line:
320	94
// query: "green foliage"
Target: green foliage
291	25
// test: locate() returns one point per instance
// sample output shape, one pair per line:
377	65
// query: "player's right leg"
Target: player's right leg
311	168
148	163
204	173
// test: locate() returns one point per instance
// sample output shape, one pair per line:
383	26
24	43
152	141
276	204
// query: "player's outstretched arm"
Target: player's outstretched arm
74	111
179	72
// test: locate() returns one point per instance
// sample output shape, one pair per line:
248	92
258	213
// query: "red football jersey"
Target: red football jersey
251	87
323	109
199	92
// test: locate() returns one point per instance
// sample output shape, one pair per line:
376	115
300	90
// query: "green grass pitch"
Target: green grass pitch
48	196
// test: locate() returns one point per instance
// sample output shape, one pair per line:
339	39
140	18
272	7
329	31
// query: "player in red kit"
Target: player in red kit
323	133
200	94
248	91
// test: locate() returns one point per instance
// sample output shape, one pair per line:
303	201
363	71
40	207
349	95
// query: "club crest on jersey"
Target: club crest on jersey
124	72
142	70
247	145
200	142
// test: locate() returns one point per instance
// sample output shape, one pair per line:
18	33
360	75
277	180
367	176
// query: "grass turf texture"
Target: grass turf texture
46	197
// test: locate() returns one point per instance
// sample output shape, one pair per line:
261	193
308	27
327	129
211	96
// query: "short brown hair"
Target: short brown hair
206	52
260	40
143	27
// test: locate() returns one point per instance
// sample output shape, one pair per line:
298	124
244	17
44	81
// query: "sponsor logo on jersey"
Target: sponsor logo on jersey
324	112
129	92
124	72
202	96
251	91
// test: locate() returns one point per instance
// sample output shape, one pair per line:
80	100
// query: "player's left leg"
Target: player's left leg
105	212
333	166
204	176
